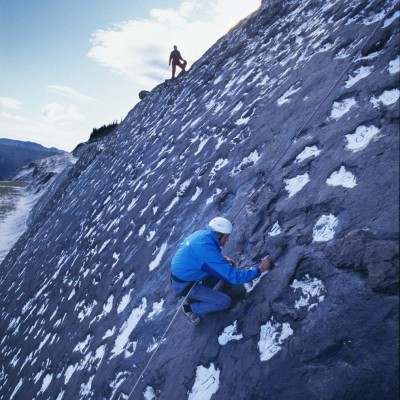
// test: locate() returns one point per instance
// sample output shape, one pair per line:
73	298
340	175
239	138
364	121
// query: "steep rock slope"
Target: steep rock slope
289	126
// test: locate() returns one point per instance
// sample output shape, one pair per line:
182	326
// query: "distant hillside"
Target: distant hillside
15	154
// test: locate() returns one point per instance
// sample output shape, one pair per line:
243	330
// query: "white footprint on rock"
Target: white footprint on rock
297	183
324	229
273	335
342	178
276	229
309	151
341	108
361	138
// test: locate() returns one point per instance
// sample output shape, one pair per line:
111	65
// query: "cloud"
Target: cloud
12	117
56	113
139	49
69	92
8	102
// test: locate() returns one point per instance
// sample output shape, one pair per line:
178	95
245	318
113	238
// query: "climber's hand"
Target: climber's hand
266	264
230	261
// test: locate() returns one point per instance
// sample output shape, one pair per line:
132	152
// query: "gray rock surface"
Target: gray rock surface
289	126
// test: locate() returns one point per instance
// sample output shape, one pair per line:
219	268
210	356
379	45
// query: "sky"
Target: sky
68	66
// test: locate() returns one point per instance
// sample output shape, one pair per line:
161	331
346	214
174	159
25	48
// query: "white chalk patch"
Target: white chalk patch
324	229
128	279
154	345
161	162
19	384
104	245
311	290
374	18
219	164
86	388
15	359
156	262
109	333
116	258
394	66
220	142
44	341
117	382
341	108
197	194
242	121
251	159
229	334
250	286
142	229
391	19
206	383
149	393
276	229
173	202
214	196
201	146
157	309
342	178
69	372
83	346
183	187
121	342
361	138
148	205
237	108
309	151
99	355
124	302
359	74
387	98
343	53
150	235
285	98
60	395
46	382
273	336
86	310
295	184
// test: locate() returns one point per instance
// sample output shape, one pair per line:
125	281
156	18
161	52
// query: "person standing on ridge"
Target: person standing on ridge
198	266
176	58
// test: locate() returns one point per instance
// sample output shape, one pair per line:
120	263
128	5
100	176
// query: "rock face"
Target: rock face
289	126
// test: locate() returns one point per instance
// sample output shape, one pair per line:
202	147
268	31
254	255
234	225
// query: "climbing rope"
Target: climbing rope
261	181
163	75
160	342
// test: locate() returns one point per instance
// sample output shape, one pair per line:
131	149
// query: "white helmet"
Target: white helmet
221	225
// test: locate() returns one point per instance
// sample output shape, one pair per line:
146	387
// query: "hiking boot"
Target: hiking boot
189	314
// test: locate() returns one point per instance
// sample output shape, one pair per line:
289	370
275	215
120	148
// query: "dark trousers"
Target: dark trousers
179	64
209	295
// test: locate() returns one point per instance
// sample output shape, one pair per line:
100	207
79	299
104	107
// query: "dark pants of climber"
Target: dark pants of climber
207	296
179	64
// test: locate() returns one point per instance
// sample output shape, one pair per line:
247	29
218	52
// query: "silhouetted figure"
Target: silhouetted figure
176	59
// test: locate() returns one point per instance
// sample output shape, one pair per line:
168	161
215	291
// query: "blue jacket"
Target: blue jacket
200	255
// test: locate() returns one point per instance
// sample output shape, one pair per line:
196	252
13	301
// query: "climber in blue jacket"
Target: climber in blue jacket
198	266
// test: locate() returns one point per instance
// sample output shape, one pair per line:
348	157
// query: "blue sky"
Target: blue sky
68	66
